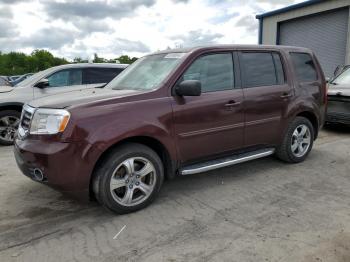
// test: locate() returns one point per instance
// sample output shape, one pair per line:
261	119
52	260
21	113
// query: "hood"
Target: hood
339	90
79	97
5	89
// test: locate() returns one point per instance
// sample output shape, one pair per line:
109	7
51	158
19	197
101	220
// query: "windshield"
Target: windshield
343	78
146	73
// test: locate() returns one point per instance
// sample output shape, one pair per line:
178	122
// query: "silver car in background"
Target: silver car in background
59	79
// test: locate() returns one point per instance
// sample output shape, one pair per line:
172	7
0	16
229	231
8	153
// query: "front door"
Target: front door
213	122
62	81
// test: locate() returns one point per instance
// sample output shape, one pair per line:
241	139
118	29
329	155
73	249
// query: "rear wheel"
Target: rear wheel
297	142
9	122
129	179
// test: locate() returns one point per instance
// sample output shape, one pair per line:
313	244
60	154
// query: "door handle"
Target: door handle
232	103
286	95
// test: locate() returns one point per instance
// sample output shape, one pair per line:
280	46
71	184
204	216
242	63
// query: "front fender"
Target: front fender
107	125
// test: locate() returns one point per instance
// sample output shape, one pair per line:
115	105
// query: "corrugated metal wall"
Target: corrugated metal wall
324	33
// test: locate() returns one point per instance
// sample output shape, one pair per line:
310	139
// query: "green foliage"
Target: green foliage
99	59
16	63
124	59
80	60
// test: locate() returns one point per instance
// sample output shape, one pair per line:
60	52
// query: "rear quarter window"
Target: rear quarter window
304	67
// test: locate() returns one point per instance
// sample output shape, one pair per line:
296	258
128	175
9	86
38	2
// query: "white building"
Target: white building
321	25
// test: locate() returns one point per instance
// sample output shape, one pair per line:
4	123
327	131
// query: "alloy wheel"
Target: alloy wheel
301	140
133	181
8	127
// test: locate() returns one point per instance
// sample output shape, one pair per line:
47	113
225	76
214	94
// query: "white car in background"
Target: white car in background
59	79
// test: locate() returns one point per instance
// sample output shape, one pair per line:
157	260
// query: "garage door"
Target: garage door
325	34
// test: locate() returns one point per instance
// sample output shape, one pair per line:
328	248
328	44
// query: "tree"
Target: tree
125	59
80	60
15	63
98	59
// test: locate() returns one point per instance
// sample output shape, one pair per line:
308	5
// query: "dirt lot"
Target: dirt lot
259	211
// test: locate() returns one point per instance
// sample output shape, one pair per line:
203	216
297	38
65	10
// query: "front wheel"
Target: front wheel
297	142
129	178
9	122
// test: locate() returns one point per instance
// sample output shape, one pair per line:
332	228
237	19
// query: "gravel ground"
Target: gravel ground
263	210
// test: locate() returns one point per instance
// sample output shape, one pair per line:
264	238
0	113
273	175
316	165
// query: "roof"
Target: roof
228	47
289	8
83	65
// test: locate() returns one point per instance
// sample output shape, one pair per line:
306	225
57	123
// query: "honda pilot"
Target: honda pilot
176	112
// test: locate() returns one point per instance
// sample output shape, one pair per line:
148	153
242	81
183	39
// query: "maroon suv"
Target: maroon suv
174	112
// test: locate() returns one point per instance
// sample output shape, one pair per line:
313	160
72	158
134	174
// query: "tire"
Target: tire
290	150
143	184
9	121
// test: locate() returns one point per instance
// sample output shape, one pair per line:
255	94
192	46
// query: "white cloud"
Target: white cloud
134	27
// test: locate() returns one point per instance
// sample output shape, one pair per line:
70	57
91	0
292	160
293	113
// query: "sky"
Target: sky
110	28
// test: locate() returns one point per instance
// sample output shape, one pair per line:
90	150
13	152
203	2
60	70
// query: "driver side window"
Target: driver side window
65	78
215	72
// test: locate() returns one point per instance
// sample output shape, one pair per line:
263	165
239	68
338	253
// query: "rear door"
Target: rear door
266	95
213	122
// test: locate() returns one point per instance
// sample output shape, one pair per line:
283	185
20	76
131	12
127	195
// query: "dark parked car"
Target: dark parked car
55	80
338	108
174	112
13	78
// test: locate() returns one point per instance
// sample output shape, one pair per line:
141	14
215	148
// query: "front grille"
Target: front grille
26	118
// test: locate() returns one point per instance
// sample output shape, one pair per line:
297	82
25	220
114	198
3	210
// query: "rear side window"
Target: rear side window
101	75
215	72
261	69
304	67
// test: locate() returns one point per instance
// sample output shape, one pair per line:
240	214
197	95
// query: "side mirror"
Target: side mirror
42	83
189	88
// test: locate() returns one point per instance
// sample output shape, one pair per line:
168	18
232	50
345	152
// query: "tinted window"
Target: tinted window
304	67
259	69
101	75
215	72
66	78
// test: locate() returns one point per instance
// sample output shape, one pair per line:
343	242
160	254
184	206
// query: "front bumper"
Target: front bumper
65	166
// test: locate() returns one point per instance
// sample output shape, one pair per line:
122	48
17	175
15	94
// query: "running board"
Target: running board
227	161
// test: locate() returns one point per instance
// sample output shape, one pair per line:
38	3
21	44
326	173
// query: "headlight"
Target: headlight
49	121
